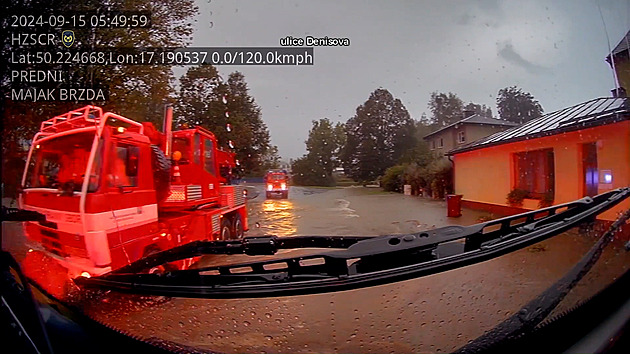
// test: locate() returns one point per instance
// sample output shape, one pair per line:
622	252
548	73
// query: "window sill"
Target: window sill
529	203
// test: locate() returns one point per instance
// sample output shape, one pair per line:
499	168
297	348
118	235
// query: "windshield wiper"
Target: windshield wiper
355	262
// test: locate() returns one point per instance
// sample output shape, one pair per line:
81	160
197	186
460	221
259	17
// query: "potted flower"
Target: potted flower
546	200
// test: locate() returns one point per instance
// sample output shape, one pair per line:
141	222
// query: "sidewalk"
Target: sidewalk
9	202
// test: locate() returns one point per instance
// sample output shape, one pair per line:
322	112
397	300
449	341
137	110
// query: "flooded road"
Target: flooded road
347	211
437	313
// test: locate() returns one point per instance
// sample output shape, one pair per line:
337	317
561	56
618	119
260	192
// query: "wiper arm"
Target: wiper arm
356	261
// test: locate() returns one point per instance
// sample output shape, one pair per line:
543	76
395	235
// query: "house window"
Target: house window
535	172
432	144
461	137
441	143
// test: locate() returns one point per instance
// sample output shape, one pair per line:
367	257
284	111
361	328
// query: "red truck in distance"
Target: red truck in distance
277	183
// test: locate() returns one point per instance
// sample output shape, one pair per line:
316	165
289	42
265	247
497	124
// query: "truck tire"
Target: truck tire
237	226
160	269
285	194
226	230
161	172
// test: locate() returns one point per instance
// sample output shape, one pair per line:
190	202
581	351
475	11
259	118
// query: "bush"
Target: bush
393	180
516	196
547	200
416	177
442	180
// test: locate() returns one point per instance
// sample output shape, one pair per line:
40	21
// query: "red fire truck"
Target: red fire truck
114	190
277	182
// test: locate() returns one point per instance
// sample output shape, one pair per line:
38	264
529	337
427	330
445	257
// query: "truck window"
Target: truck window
183	146
197	149
208	156
122	172
60	161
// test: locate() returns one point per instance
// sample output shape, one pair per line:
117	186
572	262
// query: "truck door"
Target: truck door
209	165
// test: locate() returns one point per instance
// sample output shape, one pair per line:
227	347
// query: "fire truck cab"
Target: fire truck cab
114	190
277	183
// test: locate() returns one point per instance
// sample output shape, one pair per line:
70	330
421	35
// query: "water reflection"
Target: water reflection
277	217
436	313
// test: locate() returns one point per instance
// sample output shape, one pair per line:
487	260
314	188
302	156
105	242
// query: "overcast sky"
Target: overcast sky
553	49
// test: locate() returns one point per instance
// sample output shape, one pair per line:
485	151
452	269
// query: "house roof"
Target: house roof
475	119
588	114
622	47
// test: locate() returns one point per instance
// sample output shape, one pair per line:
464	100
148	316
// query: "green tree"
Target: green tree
480	109
377	136
135	91
324	142
446	108
270	159
251	135
515	105
323	146
204	99
420	154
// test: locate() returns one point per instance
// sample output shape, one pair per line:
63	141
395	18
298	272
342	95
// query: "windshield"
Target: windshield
343	176
62	161
276	177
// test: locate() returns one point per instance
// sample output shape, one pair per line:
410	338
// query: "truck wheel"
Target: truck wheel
226	230
160	269
237	226
161	172
268	195
285	195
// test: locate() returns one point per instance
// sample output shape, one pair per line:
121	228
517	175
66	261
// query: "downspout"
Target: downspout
452	163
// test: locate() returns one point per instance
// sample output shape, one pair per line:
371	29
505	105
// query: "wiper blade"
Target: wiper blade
14	214
355	261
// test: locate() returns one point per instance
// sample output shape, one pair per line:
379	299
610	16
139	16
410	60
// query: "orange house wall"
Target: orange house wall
487	175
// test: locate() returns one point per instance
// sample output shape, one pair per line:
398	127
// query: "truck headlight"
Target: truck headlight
269	187
283	186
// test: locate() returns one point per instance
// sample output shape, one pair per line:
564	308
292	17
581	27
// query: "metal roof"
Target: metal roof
475	119
595	112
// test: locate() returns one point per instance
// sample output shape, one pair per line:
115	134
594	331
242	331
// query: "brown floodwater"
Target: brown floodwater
437	313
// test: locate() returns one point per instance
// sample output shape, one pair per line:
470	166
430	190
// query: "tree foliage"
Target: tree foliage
446	108
138	92
323	147
480	109
204	99
515	105
377	136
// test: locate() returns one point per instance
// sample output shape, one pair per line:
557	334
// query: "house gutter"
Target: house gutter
614	118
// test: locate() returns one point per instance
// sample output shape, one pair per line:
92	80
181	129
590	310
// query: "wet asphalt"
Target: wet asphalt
437	313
